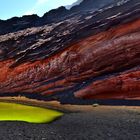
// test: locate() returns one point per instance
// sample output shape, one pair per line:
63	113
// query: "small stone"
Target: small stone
95	105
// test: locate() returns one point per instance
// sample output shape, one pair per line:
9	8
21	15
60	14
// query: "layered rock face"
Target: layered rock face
88	55
56	15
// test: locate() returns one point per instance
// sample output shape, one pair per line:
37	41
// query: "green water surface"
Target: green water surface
31	114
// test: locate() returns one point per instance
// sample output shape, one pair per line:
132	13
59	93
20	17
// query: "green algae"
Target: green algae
31	114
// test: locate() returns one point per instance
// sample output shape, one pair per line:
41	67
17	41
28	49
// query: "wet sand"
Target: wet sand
80	122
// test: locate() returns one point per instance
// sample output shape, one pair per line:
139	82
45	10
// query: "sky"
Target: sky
11	8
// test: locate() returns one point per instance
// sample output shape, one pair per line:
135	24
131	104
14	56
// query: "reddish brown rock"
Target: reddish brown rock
80	57
123	86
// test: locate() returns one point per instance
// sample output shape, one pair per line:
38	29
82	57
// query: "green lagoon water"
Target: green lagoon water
31	114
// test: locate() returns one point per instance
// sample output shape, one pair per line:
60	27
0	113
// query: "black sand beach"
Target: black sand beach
100	123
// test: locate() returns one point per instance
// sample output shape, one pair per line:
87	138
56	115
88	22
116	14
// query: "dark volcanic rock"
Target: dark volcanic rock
56	15
91	55
87	5
74	4
15	24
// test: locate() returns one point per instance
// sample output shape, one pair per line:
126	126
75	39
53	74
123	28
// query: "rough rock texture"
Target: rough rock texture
89	54
19	23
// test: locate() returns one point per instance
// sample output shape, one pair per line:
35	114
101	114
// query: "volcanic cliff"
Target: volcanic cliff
91	51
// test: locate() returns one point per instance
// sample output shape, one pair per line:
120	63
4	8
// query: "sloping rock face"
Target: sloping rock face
56	15
88	55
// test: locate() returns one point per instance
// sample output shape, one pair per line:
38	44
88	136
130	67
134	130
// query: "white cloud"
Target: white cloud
30	12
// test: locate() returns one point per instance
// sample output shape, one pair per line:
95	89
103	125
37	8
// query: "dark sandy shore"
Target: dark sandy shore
100	123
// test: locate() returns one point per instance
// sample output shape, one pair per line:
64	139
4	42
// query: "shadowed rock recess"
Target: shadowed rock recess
91	51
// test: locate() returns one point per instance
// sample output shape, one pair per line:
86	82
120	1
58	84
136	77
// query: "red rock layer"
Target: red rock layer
123	86
110	52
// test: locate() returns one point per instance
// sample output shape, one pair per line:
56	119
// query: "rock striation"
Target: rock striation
80	54
56	15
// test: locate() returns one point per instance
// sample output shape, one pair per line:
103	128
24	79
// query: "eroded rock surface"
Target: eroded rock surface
92	54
